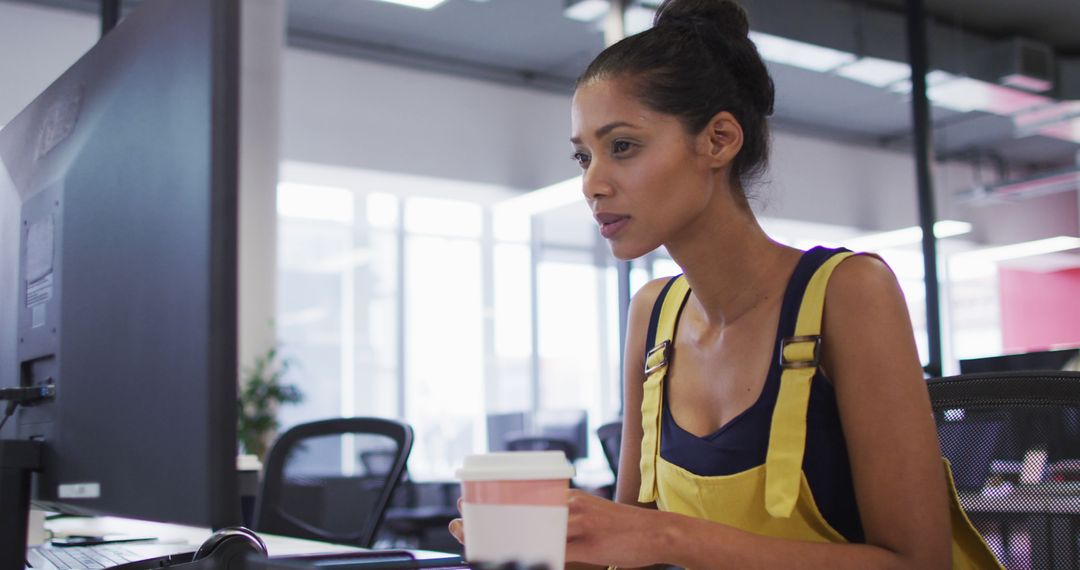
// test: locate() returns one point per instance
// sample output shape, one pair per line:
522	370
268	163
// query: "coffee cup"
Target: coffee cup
514	507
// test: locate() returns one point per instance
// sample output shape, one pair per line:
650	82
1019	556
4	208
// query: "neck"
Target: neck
731	265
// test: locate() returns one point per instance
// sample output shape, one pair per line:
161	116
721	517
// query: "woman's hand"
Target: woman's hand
457	526
602	532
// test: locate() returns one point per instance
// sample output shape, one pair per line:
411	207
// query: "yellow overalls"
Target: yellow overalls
772	499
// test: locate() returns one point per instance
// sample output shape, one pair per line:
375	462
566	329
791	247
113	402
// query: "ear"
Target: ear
722	138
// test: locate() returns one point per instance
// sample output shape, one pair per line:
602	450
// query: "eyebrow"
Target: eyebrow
604	130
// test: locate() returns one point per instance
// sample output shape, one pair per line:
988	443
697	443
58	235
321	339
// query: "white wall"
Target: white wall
826	181
262	42
355	113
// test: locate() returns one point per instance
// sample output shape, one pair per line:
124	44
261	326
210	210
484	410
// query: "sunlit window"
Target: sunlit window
411	298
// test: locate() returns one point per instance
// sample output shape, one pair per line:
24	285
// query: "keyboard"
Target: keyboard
80	557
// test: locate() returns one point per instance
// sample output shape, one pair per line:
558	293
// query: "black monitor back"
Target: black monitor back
569	425
1039	360
118	234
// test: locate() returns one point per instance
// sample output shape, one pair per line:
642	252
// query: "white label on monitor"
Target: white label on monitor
80	491
39	291
37	316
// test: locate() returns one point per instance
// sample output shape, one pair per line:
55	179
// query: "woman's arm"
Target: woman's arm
870	357
885	410
629	479
637	326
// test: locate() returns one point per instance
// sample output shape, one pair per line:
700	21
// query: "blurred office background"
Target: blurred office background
425	253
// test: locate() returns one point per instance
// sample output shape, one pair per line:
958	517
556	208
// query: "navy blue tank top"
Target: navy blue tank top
742	443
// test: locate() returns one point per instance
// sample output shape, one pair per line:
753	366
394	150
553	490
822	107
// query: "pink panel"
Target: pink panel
1039	311
553	492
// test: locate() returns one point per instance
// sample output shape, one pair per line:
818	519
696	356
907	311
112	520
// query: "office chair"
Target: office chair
419	514
610	436
330	480
1013	442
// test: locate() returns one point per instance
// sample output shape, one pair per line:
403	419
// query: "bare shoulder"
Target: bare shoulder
641	307
647	295
862	278
870	356
866	321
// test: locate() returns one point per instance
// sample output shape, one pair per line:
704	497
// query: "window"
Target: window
396	301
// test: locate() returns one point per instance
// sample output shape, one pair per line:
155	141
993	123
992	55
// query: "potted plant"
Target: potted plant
262	392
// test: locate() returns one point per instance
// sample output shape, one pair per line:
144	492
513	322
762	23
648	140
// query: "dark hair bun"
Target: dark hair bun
726	15
723	26
696	61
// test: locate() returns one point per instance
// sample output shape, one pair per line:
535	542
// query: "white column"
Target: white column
262	44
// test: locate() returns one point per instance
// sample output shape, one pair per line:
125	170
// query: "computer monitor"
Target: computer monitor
501	428
118	269
571	426
1038	360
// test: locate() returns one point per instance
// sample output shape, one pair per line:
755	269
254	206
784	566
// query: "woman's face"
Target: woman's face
645	177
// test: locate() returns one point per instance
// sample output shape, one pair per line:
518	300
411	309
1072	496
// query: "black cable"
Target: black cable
24	395
10	411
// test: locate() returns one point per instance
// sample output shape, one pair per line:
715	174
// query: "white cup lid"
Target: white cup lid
516	466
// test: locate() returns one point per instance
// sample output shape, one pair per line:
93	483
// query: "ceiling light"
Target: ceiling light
933	78
1026	82
1019	250
799	54
1062	111
586	10
1061	120
422	4
966	94
906	236
1064	130
876	72
1041	185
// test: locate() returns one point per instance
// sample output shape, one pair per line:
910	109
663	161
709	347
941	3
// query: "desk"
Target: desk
1029	527
277	546
183	535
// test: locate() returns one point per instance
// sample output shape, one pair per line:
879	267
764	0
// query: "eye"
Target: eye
581	158
621	146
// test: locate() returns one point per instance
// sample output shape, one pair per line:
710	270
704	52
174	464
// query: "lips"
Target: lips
610	224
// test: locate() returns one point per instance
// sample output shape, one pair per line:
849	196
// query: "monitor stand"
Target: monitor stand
18	460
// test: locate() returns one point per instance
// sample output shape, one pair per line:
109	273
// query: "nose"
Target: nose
595	183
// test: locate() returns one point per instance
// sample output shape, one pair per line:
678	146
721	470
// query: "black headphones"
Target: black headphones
228	547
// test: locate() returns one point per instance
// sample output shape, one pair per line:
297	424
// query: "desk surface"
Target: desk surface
180	534
1024	500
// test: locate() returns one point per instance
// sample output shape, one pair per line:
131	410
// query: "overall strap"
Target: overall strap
661	337
799	358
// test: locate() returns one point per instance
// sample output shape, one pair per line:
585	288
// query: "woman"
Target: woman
775	417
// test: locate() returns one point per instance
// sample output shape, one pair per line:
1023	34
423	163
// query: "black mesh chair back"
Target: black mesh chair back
610	436
332	480
1013	441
